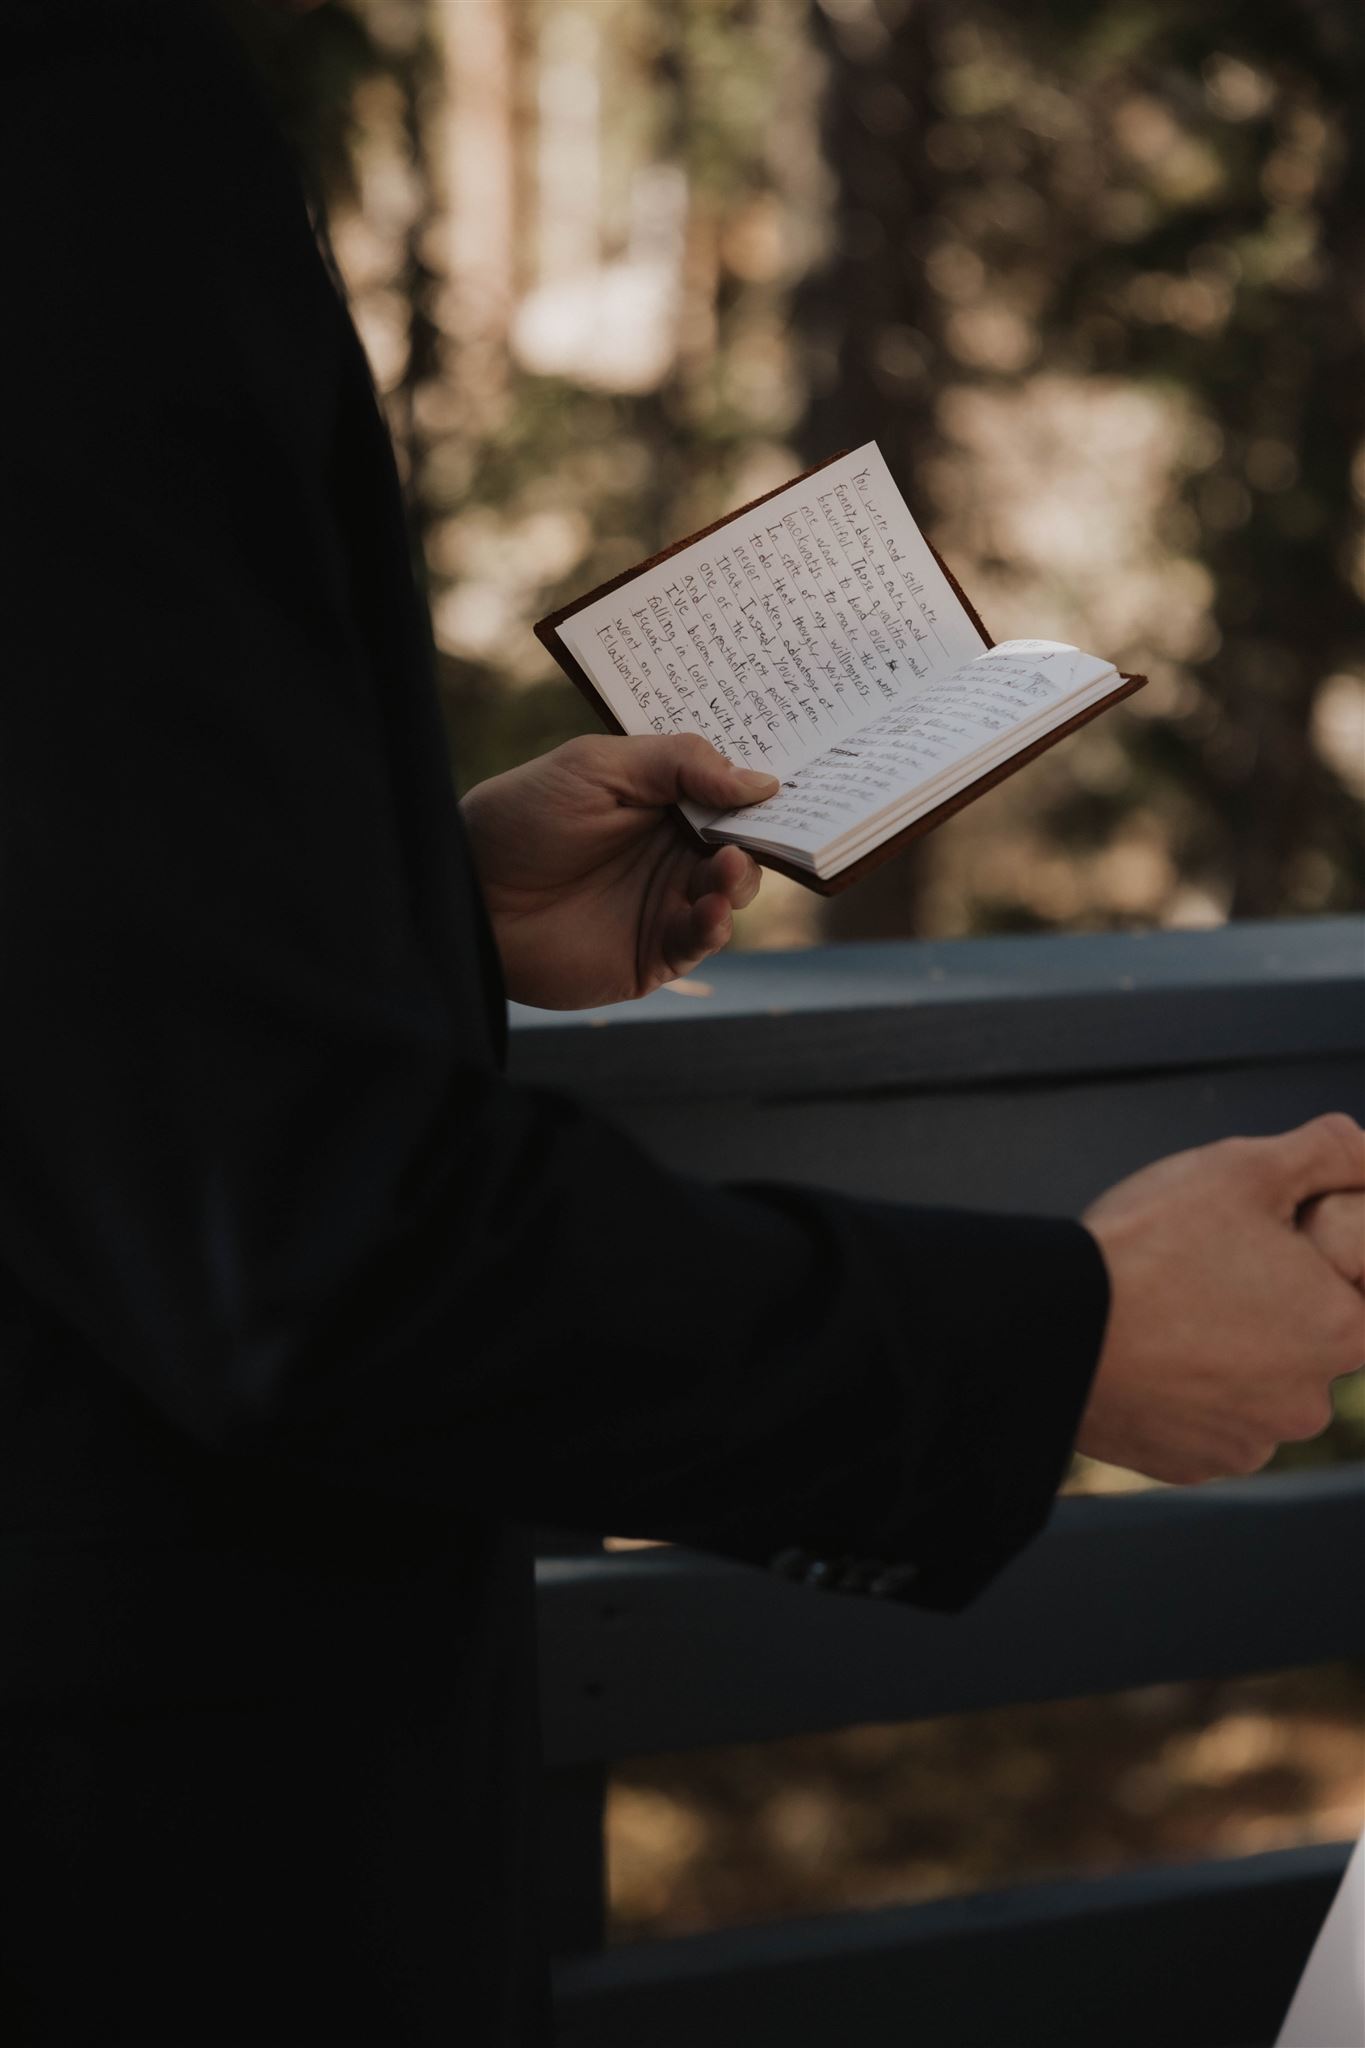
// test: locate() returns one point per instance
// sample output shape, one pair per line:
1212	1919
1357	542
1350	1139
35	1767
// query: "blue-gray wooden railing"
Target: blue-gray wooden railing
1001	1073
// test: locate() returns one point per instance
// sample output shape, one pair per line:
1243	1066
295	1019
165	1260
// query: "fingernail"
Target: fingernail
753	779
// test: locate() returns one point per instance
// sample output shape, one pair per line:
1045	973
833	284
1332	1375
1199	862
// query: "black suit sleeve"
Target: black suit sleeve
255	1150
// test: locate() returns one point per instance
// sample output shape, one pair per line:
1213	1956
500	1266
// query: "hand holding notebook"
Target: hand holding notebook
816	635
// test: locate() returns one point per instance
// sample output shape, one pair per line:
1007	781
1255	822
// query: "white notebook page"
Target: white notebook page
786	629
987	710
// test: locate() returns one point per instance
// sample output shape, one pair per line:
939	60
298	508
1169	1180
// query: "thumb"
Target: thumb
1326	1156
663	770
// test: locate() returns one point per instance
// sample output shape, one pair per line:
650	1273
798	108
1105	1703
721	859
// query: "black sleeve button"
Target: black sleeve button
858	1574
893	1580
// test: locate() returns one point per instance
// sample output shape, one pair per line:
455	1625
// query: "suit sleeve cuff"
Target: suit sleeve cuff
979	1475
942	1456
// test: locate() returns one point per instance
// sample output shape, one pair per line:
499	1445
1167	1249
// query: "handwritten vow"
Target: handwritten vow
785	630
932	730
815	636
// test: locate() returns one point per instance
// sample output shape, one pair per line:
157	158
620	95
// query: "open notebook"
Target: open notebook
817	635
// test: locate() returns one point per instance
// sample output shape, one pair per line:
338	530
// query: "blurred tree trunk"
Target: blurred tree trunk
870	322
1310	396
486	231
1281	375
659	417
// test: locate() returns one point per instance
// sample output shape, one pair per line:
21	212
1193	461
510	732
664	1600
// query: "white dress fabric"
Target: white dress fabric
1328	2010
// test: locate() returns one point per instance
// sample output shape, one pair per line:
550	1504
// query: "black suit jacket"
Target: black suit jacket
305	1310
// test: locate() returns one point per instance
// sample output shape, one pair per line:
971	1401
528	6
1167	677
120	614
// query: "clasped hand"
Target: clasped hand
1235	1300
1235	1270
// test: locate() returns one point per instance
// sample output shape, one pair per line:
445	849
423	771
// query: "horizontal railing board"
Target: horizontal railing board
649	1651
1203	1956
1039	1149
841	1020
1007	1074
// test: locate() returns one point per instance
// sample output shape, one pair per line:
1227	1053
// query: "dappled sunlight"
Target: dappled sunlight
891	1815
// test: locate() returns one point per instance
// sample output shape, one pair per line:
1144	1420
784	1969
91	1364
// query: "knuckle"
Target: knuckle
1335	1123
1344	1136
1235	1452
1254	1457
1306	1416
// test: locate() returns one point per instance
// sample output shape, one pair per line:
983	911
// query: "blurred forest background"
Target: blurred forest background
1092	274
1094	277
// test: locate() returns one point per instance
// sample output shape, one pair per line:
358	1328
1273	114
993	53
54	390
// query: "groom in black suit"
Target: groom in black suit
305	1310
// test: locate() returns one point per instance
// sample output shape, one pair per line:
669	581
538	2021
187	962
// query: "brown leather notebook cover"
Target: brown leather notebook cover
829	885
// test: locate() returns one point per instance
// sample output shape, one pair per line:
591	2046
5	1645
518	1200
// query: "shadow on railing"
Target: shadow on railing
1006	1074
